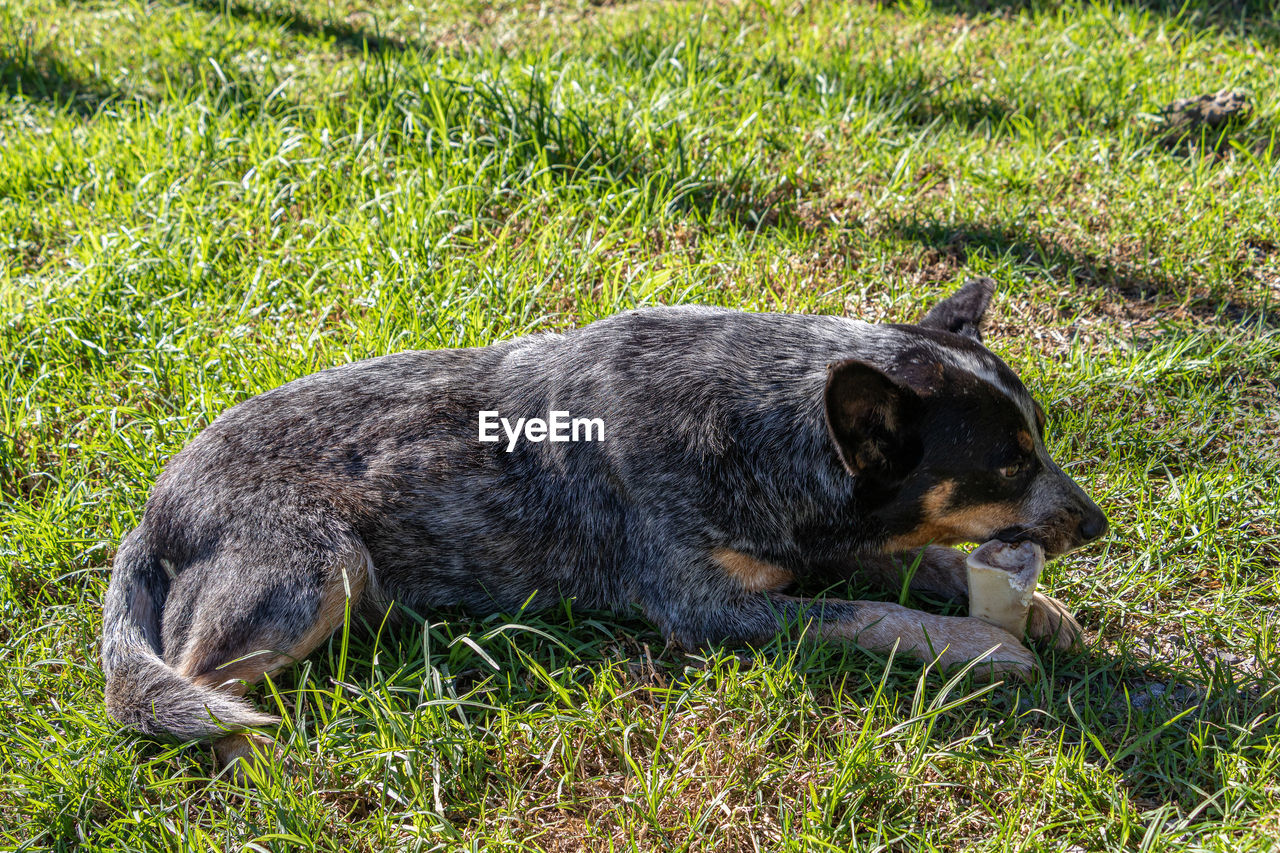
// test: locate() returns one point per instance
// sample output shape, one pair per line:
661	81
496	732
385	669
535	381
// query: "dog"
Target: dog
721	458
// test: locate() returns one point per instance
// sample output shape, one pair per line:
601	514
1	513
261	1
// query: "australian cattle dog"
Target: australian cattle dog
697	463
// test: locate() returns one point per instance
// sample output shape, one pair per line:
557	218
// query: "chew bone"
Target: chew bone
1002	580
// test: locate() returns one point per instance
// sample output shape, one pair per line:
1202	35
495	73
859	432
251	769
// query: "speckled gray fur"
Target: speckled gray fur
716	437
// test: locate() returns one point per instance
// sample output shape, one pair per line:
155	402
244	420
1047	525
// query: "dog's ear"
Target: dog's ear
961	312
872	419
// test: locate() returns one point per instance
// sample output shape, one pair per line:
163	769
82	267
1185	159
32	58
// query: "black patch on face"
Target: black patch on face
971	436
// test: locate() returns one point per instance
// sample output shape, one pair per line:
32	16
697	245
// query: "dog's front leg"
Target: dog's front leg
873	625
951	640
940	572
935	571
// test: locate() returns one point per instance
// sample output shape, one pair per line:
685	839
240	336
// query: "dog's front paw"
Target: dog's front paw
998	653
1050	622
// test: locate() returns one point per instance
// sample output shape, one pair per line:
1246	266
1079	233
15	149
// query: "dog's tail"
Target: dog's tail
144	692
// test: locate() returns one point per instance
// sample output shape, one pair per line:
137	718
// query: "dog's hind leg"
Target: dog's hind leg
258	608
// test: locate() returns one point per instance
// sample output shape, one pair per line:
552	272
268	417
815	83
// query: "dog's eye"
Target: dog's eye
1012	472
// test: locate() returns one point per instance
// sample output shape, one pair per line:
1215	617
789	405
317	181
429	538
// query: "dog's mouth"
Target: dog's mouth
1053	545
1014	535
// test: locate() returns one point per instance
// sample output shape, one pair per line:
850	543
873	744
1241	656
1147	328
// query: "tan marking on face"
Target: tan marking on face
1025	441
754	575
346	581
946	525
936	499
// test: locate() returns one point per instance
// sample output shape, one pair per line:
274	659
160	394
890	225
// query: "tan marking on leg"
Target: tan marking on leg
754	575
239	752
235	676
953	640
346	583
938	570
1051	621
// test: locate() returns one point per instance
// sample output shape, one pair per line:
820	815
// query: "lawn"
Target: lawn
202	200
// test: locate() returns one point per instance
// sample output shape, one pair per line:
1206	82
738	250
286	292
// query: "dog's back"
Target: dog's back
693	401
717	475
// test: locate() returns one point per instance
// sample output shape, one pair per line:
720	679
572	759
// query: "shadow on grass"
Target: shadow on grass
1162	728
1250	18
903	94
40	74
348	36
1062	262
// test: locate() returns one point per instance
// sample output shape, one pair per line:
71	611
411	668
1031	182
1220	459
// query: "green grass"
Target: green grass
201	200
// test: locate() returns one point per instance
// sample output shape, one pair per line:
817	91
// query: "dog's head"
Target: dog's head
946	442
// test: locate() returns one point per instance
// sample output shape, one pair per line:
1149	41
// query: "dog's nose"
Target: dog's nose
1093	525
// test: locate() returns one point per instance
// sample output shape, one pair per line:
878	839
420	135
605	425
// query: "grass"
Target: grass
201	200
